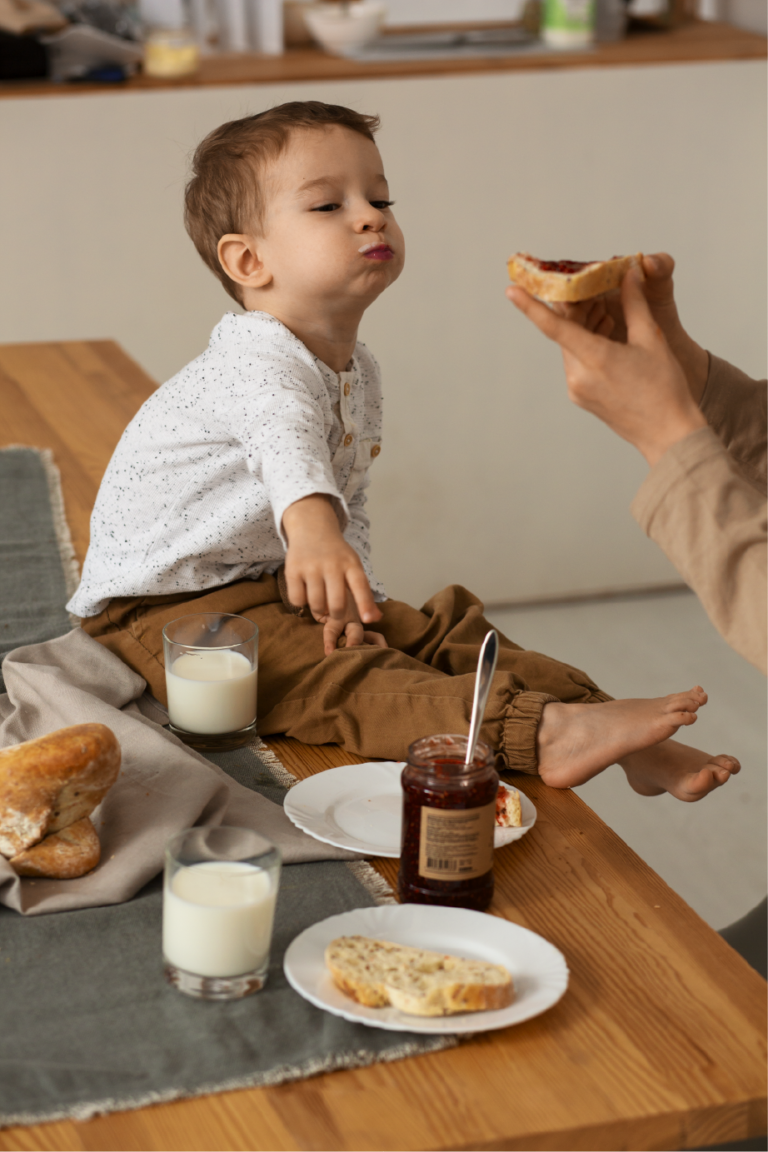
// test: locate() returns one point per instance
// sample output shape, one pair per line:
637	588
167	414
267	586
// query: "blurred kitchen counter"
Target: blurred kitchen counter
696	41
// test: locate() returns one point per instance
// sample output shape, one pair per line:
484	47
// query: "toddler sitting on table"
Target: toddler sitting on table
240	487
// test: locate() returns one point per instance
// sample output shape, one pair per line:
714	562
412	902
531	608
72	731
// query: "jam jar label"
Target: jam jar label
456	843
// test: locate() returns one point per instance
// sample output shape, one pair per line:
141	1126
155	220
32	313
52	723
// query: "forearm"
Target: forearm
287	451
694	361
711	522
312	521
735	407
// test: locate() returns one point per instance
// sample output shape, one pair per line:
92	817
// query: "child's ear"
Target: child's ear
240	259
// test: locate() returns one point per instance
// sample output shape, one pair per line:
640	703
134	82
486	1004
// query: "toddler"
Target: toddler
240	487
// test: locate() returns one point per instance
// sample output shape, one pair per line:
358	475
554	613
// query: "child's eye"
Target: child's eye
382	204
326	208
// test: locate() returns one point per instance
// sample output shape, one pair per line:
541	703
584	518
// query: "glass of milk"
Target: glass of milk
218	910
211	665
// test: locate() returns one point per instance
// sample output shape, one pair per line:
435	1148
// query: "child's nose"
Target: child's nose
372	220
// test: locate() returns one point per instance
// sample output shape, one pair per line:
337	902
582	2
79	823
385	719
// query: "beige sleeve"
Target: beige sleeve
698	506
735	406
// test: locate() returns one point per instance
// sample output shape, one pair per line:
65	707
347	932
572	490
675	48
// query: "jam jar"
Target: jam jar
446	854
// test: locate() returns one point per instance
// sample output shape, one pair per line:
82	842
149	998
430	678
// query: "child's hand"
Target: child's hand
605	316
325	572
349	628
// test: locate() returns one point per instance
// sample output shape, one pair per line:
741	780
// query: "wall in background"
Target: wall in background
749	14
488	477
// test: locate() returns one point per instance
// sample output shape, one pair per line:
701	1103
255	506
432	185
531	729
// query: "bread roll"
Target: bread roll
63	855
569	281
414	980
54	781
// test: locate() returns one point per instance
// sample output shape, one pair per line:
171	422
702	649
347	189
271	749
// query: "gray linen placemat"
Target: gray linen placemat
88	1024
38	570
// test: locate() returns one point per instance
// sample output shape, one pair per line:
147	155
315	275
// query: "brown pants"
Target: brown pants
373	701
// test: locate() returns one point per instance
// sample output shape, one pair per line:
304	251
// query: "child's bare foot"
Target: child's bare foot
576	741
684	772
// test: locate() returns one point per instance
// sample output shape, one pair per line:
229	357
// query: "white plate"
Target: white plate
538	969
359	806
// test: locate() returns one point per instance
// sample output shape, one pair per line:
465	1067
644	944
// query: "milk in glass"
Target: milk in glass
211	691
217	918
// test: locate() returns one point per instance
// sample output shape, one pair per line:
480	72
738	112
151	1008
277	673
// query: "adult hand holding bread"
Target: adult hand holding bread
639	388
605	315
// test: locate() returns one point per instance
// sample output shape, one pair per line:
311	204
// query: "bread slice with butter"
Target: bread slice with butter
378	973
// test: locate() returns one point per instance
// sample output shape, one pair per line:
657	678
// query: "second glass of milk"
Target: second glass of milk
211	666
219	899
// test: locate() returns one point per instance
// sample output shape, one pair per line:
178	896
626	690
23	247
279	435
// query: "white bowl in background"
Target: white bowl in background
343	29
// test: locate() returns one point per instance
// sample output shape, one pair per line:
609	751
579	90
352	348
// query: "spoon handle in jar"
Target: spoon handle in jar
486	666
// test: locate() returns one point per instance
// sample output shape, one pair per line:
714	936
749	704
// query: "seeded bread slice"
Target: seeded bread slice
419	982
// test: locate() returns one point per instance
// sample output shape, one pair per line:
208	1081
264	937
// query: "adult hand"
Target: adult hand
638	388
322	570
606	317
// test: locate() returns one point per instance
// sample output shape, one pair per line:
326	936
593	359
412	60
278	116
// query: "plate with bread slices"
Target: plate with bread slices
423	968
359	807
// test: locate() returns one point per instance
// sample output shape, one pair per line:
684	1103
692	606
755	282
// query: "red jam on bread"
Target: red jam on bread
569	281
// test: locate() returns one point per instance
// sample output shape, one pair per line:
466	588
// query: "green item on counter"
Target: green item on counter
568	23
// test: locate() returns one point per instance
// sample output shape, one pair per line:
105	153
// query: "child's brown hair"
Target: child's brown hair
224	194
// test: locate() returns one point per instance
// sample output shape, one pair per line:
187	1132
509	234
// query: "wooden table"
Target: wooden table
659	1041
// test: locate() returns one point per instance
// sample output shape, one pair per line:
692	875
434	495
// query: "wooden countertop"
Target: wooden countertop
659	1041
696	41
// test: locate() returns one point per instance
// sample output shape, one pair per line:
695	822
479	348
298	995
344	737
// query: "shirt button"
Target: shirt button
346	388
348	439
375	450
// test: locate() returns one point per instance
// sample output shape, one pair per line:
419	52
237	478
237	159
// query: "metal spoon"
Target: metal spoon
486	666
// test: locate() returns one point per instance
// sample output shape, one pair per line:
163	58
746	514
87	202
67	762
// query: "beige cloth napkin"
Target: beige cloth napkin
163	786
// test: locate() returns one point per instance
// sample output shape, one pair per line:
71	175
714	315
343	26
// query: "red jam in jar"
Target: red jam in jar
446	854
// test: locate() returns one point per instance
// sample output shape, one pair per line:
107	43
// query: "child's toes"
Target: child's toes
728	764
684	717
716	772
686	701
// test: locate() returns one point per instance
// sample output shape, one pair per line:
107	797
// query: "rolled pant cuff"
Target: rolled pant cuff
520	725
519	731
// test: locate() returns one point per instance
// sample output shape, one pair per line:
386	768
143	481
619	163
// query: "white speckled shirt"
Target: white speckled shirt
195	492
